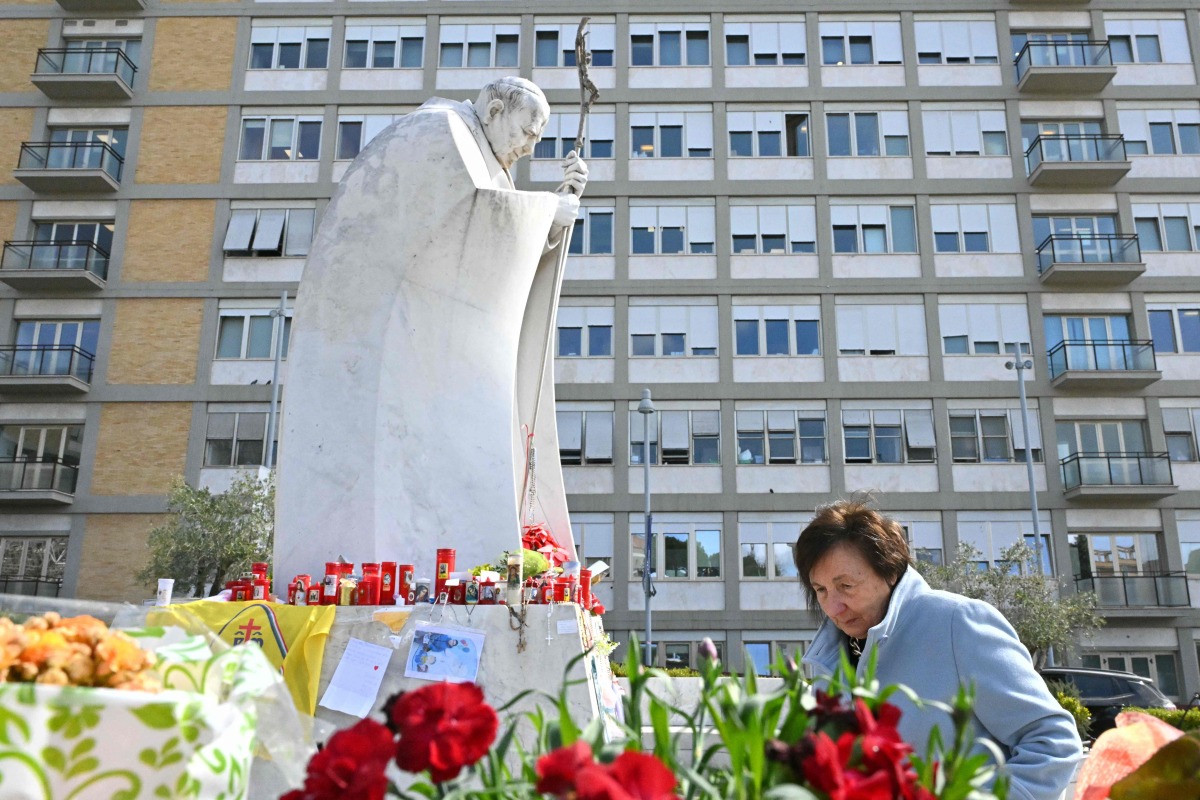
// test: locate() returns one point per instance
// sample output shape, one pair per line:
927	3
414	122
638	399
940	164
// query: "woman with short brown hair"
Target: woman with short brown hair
855	566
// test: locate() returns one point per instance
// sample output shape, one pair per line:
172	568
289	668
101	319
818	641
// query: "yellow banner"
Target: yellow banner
291	637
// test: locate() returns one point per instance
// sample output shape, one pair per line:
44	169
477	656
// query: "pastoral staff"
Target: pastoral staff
855	565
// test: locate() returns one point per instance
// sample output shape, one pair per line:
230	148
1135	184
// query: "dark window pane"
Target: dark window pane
669	54
737	51
642	344
356	55
1162	138
745	243
746	332
672	240
309	142
261	55
741	143
770	143
673	344
975	242
570	341
349	139
601	241
1189	329
411	52
671	141
451	57
289	55
837	127
1162	331
845	239
384	56
1121	48
833	50
642	141
546	49
317	56
1189	139
945	242
576	248
641	51
796	127
697	48
904	229
706	450
774	243
808	337
1149	237
866	134
643	241
599	340
506	50
777	337
601	149
860	50
601	58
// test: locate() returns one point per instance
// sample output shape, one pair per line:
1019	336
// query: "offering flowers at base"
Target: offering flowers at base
740	740
73	651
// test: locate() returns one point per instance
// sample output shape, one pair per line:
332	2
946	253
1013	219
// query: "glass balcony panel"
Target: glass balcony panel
1140	590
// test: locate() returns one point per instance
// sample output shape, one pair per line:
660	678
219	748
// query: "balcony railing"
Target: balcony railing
1074	148
71	155
70	255
1100	355
1062	54
23	475
75	61
1116	469
1168	589
37	587
1097	249
24	360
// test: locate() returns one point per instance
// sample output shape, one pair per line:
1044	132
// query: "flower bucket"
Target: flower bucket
195	739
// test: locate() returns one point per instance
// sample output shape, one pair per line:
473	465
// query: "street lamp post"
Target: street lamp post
1020	366
646	408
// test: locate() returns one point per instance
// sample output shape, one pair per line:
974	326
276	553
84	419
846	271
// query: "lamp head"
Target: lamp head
646	406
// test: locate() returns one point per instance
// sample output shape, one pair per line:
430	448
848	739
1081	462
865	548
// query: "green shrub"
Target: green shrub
1188	720
1068	697
618	669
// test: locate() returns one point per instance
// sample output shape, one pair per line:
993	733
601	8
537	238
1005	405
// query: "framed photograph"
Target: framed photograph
444	653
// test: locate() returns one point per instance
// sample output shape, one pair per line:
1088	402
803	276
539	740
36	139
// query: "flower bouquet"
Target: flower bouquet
739	741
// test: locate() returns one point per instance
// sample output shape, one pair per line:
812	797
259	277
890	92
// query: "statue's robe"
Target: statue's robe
422	324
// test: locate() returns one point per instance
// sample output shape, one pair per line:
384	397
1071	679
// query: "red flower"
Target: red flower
570	772
443	728
351	765
823	768
557	771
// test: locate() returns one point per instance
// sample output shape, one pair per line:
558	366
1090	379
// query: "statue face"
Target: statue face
512	134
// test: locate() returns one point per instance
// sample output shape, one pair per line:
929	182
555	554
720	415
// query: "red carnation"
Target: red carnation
643	776
443	728
351	765
557	771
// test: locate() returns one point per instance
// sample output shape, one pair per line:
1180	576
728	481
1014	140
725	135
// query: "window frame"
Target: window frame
658	459
873	436
268	122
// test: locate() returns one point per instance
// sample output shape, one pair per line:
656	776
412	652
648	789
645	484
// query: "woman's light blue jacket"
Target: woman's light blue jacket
933	641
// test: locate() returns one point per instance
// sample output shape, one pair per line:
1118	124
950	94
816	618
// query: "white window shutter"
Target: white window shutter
929	36
703	329
792	37
1132	123
983	321
1174	42
270	229
749	421
772	219
944	218
1002	219
1018	430
1014	322
882	333
964	132
843	215
769	121
571	316
764	38
268	35
956	37
675	434
781	420
452	34
599	443
918	428
983	39
643	216
643	320
953	320
992	121
570	429
701	225
743	220
802	223
698	130
739	121
706	423
291	35
910	322
856	417
737	28
672	319
973	217
887	42
602	126
1176	420
937	131
851	327
894	123
602	36
241	226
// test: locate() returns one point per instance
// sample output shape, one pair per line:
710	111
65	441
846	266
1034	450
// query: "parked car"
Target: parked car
1105	692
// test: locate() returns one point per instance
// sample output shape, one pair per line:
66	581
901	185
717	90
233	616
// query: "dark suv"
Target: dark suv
1105	692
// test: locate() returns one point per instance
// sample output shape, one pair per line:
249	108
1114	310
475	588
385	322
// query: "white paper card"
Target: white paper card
354	687
568	626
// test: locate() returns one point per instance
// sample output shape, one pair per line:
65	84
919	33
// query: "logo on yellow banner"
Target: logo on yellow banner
257	624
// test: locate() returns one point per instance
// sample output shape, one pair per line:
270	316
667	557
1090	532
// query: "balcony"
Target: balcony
36	266
45	368
1083	261
1134	590
1064	67
69	167
25	482
1076	160
1102	364
75	74
101	6
1109	476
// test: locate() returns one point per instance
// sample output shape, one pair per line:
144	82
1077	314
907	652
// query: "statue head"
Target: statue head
514	112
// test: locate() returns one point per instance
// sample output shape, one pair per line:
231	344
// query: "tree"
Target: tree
1043	615
212	537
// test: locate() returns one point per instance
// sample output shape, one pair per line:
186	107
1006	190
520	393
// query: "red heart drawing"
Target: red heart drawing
376	666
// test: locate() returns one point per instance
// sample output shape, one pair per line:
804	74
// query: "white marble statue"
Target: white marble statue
419	362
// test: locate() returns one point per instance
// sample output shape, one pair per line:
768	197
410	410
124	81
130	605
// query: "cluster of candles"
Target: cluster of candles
389	583
253	585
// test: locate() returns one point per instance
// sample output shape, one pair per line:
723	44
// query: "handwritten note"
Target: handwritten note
354	687
568	625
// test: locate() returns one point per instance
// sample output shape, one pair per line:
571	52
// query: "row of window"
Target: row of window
857	40
687	132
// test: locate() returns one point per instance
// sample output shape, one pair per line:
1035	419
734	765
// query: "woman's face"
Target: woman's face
850	592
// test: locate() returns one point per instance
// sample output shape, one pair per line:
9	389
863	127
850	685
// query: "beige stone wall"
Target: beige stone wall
114	550
18	56
8	221
141	447
181	144
193	54
16	126
168	240
155	341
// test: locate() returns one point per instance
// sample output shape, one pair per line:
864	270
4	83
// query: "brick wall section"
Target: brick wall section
193	54
18	56
181	144
114	550
141	447
168	240
156	341
8	221
16	126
